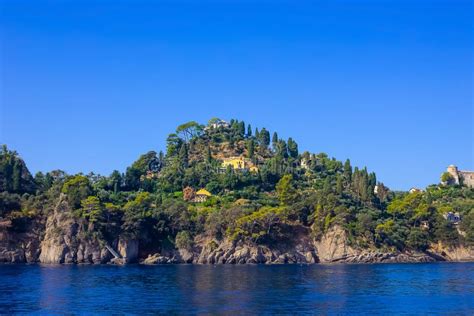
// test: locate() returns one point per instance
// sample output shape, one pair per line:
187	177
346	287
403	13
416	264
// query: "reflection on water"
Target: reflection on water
285	289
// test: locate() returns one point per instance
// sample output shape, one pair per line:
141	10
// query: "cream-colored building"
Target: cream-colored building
239	163
461	176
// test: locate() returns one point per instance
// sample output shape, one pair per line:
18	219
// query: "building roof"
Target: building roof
203	192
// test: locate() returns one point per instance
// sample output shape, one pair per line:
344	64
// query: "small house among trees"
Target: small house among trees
201	196
452	217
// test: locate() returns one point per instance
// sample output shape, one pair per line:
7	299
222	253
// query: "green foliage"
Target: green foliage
262	226
447	178
292	148
189	130
290	194
76	188
91	209
14	176
418	239
286	190
184	240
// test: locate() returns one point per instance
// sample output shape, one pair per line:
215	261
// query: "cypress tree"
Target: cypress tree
292	148
16	177
183	156
208	155
348	171
264	137
242	129
250	148
275	140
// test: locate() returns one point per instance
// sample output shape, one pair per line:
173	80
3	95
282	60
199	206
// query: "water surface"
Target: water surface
436	288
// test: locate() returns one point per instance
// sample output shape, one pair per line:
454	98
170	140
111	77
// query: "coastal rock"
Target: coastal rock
452	253
186	256
333	246
128	249
156	259
227	252
67	239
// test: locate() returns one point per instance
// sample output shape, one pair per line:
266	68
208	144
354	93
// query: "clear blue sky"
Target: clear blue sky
89	86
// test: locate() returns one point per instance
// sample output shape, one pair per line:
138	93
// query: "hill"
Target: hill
228	193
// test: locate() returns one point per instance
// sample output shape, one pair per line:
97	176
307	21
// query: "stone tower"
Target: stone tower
453	171
463	177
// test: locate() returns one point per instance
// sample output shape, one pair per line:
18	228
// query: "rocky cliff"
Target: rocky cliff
333	247
65	239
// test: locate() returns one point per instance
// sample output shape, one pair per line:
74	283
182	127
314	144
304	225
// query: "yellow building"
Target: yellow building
202	195
254	169
234	162
239	163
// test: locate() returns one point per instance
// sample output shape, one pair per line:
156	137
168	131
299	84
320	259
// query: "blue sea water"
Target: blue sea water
436	288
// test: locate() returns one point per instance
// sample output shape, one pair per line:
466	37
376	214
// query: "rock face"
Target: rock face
67	240
459	253
128	249
19	247
62	238
333	246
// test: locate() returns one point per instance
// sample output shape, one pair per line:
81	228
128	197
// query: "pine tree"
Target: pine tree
249	131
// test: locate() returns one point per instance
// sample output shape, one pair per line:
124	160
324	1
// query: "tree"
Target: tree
339	186
348	171
208	155
92	209
76	188
286	190
249	131
188	194
115	181
189	130
274	140
292	148
418	239
16	177
173	143
242	129
250	148
183	156
382	192
282	149
447	178
264	137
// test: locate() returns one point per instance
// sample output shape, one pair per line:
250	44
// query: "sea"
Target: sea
356	289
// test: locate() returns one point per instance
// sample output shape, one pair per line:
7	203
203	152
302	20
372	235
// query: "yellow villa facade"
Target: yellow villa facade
239	163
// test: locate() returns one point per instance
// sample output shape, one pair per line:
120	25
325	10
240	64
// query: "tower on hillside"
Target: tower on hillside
453	171
463	177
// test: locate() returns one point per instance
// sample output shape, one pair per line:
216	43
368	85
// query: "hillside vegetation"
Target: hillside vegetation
277	194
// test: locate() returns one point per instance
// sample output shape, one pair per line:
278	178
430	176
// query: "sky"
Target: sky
90	85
